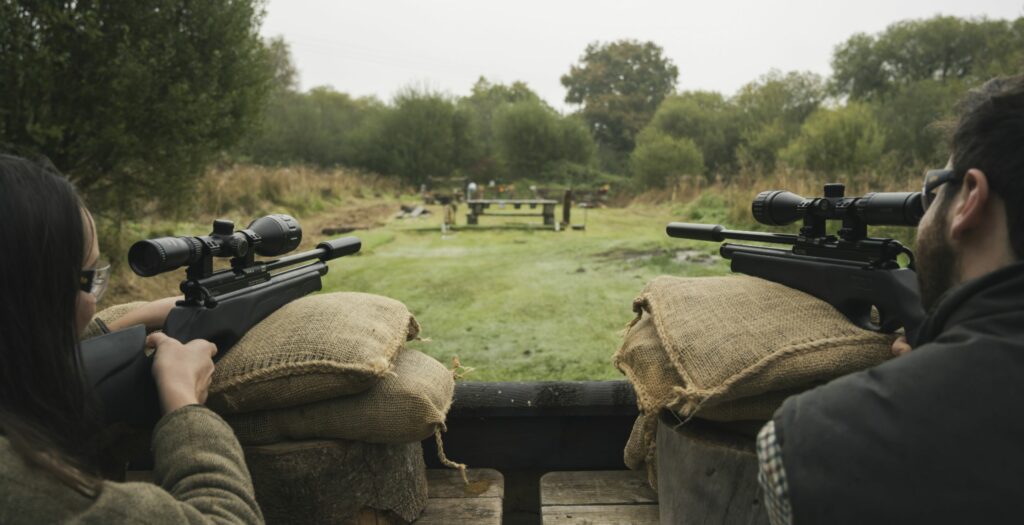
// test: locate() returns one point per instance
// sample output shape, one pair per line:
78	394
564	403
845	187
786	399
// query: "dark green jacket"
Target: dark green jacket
935	436
199	471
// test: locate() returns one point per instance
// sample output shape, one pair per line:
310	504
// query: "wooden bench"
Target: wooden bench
450	500
597	498
477	208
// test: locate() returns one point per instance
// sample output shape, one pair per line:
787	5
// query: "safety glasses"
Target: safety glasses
94	281
932	180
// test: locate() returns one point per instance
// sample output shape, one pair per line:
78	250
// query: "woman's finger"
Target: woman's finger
155	339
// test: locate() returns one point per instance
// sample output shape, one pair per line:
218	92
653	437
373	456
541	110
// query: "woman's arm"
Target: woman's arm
201	473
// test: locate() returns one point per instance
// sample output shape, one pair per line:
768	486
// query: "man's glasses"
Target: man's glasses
94	281
932	180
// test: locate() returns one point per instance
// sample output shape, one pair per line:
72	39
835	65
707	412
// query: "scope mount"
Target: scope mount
200	285
851	241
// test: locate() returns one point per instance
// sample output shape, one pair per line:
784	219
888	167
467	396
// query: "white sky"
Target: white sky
375	47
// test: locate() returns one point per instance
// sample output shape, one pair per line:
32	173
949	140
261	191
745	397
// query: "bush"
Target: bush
833	141
659	159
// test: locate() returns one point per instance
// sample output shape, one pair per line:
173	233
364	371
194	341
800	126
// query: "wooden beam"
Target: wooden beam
601	514
622	487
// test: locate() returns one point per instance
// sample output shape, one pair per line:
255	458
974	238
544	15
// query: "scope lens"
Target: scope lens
890	209
154	256
280	234
777	208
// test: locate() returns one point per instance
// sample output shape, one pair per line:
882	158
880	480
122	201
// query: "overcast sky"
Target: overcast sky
375	47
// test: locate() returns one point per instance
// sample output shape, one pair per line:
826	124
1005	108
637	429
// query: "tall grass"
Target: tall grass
251	190
240	193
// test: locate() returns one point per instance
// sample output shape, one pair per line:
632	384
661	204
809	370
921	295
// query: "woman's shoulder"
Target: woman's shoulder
29	495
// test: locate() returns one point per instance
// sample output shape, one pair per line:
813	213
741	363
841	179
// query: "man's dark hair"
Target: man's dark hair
990	137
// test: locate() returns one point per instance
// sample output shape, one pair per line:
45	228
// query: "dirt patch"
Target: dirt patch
680	256
351	218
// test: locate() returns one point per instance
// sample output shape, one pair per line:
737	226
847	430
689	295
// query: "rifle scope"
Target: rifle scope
268	236
778	208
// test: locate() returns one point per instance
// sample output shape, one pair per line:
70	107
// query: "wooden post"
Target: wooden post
707	474
566	207
321	482
549	215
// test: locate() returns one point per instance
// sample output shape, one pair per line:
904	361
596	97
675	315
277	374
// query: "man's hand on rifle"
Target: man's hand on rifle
182	371
152	315
900	346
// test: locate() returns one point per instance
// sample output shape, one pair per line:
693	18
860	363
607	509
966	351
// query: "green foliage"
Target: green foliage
422	136
845	140
772	109
940	49
913	117
321	127
131	99
620	85
659	159
708	119
530	137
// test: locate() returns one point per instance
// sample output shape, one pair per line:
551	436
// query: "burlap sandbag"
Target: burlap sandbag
314	348
736	337
407	405
731	348
107	316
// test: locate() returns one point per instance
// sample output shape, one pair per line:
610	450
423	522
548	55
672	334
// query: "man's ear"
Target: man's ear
971	207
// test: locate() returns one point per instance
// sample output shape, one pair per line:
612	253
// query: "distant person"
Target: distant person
50	281
937	434
471	190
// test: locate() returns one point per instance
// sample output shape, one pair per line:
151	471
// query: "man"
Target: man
937	434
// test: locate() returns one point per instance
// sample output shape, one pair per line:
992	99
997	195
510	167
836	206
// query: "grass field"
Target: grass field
514	301
510	299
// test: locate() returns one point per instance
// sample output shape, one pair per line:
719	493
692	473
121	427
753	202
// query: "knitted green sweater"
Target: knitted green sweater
199	471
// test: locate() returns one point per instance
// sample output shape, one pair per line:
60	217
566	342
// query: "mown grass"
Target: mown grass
516	302
510	299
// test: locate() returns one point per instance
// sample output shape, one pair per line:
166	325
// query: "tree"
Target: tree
486	99
659	159
130	99
834	141
707	118
424	135
620	85
530	137
941	49
320	127
771	111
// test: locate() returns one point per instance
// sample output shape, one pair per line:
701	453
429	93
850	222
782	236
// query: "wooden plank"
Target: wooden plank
646	514
448	483
707	475
610	487
456	511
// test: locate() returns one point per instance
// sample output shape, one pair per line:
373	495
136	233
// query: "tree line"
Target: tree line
134	100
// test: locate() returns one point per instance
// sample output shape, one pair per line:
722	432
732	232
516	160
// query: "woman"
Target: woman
49	282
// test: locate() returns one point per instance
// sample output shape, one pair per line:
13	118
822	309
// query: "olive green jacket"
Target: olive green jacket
199	471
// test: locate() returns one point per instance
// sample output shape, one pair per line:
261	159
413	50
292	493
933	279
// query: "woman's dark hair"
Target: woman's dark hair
44	406
990	137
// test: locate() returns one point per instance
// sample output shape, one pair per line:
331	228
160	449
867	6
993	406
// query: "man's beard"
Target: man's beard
936	262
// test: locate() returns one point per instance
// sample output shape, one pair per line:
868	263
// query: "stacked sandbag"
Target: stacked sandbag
331	407
731	349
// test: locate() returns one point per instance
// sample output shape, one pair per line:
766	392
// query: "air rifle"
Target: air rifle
851	271
219	306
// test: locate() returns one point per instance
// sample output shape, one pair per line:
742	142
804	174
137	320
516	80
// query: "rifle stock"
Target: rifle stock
851	289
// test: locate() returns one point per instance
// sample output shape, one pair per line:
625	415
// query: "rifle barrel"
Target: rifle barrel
718	233
324	251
